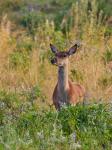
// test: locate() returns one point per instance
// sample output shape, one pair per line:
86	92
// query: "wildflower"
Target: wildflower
73	136
40	135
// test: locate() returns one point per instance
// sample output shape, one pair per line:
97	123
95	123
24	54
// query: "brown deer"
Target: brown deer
65	92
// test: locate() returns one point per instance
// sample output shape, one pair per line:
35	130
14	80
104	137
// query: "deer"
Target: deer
65	92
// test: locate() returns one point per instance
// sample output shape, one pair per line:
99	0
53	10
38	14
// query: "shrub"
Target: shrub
80	127
31	20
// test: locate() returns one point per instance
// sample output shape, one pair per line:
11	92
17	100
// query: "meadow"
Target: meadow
28	120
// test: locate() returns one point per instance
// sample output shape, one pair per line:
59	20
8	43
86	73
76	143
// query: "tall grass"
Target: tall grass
25	61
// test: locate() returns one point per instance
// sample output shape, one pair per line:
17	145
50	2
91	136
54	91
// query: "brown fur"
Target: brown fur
75	94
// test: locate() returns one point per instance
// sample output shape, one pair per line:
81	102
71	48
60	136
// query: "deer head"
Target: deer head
61	58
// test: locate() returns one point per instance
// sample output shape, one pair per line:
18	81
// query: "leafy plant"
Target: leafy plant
80	127
31	20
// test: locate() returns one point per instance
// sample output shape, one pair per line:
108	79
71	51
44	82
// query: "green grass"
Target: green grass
81	127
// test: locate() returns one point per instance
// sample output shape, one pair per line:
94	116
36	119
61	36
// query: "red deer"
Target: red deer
65	92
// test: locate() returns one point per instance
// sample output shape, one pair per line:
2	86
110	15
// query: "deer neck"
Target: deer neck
63	82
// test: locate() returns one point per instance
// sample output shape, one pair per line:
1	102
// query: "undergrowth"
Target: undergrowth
80	127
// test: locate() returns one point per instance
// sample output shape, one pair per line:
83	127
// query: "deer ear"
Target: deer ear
53	48
73	49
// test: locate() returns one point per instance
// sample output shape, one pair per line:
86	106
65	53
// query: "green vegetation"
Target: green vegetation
82	127
107	56
28	121
30	14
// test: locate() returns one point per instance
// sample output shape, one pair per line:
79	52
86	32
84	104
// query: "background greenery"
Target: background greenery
28	119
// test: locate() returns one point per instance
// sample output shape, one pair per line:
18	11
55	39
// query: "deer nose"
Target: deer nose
54	61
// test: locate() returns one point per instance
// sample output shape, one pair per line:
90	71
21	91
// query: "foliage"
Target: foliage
81	127
31	20
107	8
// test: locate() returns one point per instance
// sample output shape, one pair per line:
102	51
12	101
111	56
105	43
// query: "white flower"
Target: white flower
40	135
73	136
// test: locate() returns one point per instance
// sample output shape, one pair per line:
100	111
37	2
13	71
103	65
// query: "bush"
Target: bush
80	127
31	20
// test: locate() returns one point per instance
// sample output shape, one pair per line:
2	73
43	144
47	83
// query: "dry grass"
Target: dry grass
88	64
